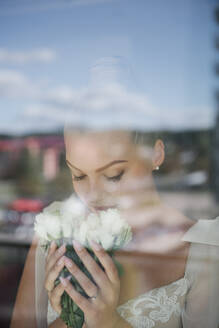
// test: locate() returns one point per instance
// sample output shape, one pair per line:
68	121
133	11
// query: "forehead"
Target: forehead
91	150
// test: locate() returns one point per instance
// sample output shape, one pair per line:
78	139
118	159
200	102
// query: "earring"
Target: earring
157	168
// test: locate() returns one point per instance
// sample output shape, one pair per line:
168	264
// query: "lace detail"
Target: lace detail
52	315
158	306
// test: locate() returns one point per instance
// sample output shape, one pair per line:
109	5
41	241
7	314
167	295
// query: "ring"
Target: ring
95	296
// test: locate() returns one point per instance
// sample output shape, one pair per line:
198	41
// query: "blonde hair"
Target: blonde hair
138	137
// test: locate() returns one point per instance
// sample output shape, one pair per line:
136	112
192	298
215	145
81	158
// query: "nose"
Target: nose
94	193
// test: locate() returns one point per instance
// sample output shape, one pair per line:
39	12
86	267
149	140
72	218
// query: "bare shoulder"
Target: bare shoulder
164	234
174	217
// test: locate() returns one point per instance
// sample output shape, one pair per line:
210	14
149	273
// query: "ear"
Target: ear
158	154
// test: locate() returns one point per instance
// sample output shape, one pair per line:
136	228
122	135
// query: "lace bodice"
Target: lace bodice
160	307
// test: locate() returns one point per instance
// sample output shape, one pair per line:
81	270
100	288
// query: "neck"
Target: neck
144	197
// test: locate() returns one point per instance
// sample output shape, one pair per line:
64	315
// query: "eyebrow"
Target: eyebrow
101	168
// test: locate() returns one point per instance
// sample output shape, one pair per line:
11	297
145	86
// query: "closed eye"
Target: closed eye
78	178
116	177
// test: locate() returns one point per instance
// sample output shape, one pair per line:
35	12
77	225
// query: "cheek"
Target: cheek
141	172
102	189
137	177
80	189
141	168
112	187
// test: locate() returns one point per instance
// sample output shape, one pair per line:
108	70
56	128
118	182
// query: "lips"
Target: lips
103	208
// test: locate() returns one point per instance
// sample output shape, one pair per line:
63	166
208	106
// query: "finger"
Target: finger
51	250
80	300
107	262
55	257
53	273
89	287
55	297
97	273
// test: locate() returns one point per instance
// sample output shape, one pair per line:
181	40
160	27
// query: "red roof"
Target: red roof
27	205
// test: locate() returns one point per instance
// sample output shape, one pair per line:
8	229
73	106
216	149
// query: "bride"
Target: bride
171	265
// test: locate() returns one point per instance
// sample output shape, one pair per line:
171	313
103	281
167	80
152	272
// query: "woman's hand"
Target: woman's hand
100	311
54	264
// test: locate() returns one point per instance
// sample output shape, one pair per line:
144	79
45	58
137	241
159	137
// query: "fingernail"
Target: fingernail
77	245
60	261
52	244
61	249
95	245
63	281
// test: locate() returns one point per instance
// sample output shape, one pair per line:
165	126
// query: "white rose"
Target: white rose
53	224
40	227
81	233
53	208
72	207
48	226
67	219
93	235
93	221
107	240
67	228
124	237
105	227
112	220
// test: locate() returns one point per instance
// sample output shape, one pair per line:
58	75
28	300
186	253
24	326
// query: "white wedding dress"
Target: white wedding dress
190	302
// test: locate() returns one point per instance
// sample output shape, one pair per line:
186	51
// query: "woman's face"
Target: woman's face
106	167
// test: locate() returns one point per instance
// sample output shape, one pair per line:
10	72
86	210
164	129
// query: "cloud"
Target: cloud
113	97
20	57
113	106
14	84
195	117
19	127
109	104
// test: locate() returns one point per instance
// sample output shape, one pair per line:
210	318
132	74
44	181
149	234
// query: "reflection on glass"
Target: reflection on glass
137	138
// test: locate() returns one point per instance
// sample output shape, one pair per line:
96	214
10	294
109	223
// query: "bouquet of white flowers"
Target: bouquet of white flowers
68	220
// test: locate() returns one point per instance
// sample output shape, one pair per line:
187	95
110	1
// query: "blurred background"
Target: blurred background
148	65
